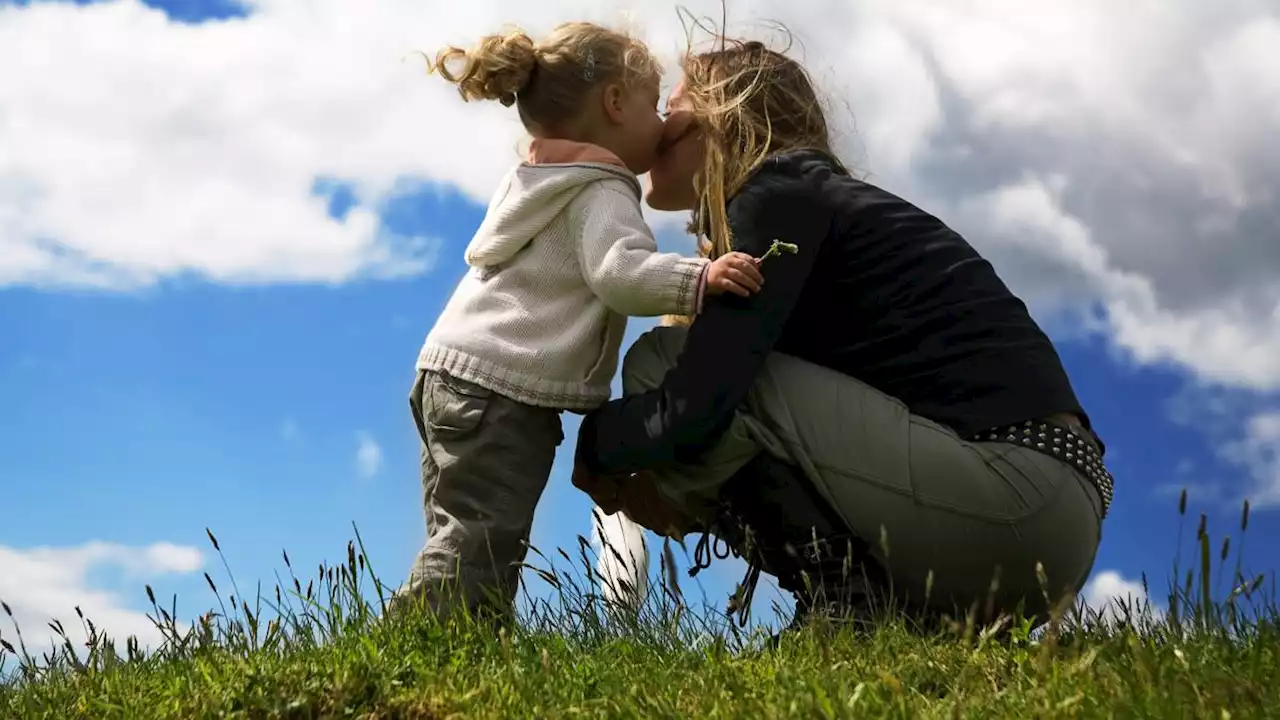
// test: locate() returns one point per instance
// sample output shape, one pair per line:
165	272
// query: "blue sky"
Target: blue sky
144	415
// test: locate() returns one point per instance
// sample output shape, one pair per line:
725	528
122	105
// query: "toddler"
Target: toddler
560	261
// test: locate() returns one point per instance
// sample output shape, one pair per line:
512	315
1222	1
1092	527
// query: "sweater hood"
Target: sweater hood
530	198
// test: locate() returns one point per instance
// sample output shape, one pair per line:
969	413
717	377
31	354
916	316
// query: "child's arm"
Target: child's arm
620	259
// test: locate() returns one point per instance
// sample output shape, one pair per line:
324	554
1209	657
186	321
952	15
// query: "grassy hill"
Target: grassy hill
316	649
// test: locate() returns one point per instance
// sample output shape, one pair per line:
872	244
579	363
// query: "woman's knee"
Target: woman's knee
650	357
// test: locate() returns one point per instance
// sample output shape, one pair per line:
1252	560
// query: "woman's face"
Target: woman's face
680	156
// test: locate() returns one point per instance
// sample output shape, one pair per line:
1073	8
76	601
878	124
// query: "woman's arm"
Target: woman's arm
728	343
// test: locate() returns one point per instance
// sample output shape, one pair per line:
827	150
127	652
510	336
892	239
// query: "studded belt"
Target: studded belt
1062	442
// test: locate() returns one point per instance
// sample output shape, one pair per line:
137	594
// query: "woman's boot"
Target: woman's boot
776	520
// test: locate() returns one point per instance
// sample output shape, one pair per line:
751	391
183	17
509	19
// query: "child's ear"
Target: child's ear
614	98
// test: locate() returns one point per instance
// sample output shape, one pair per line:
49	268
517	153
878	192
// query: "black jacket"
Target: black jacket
879	290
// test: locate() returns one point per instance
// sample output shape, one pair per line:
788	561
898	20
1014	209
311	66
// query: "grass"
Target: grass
317	649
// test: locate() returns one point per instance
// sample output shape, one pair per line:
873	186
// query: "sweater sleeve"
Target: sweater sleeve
620	259
726	346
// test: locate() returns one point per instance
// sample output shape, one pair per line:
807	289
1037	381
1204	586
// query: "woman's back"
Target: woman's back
901	302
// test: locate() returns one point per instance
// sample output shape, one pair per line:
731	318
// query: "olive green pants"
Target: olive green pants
485	463
944	517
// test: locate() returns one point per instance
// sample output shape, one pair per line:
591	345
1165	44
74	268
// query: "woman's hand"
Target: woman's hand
647	506
638	496
604	490
736	273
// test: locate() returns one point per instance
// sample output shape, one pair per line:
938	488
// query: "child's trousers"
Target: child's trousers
485	462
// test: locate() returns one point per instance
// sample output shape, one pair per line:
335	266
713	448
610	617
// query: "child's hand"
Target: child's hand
734	272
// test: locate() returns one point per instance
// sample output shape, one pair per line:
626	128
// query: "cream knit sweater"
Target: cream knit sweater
562	258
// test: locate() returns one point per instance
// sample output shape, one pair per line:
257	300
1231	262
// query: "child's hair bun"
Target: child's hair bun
497	68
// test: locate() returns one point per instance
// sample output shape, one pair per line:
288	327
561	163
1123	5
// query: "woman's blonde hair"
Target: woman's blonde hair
750	103
547	81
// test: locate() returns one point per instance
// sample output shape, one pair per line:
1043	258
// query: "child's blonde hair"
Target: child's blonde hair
550	81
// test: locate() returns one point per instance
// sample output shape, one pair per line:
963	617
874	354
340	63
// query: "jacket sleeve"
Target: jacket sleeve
727	344
620	259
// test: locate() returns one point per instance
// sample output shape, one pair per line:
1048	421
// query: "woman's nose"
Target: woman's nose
678	127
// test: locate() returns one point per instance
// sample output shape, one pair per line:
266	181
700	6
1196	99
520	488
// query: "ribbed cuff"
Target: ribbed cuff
702	289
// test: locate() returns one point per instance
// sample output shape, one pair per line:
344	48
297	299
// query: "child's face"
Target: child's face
639	126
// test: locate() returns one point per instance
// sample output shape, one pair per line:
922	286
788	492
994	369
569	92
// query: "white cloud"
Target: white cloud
42	584
1109	594
289	430
1116	155
368	456
1063	262
1259	453
1109	176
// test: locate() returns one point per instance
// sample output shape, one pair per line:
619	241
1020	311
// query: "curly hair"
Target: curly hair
547	81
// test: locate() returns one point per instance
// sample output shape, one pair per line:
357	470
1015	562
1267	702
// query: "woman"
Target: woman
884	419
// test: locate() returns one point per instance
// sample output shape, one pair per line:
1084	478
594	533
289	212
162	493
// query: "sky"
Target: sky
225	228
